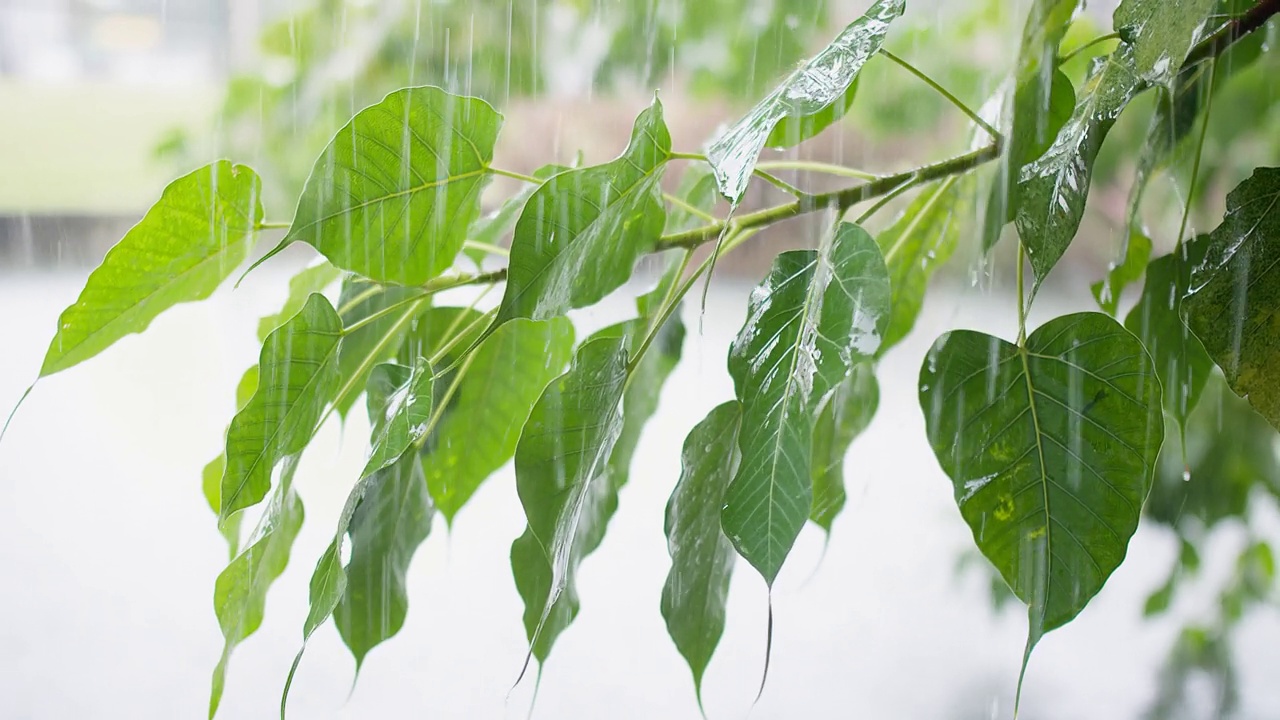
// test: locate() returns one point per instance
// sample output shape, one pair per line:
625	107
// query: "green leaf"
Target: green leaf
582	231
400	401
491	228
562	467
813	317
390	521
1235	293
1136	253
1180	360
301	286
496	391
211	476
698	189
798	126
1161	32
200	230
702	558
393	194
240	593
1050	449
804	101
921	240
375	341
297	379
845	415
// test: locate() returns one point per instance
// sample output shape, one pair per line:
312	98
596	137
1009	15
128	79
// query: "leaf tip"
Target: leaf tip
14	411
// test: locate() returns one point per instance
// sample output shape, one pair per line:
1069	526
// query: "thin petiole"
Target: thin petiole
272	226
515	175
888	197
819	167
1063	60
1195	165
995	134
370	319
489	248
695	211
759	171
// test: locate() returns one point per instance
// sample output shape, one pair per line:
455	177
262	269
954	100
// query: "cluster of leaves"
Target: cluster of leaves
1052	441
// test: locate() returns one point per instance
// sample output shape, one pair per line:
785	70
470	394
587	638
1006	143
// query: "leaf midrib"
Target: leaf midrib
1038	627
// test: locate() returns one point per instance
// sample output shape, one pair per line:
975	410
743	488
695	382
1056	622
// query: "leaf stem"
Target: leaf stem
515	175
1195	165
1022	299
757	170
695	211
888	197
995	134
438	411
374	317
1064	59
361	297
820	167
272	225
489	248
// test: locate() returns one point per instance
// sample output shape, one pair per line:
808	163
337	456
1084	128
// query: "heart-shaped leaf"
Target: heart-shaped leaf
697	586
804	101
813	317
1050	448
297	378
200	230
400	404
393	194
1235	293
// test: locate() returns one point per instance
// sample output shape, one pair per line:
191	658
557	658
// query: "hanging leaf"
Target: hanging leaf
375	341
1235	293
301	286
697	586
240	593
582	231
804	103
393	194
562	466
297	379
1050	449
200	230
809	321
502	380
843	418
1180	360
390	521
1136	253
400	404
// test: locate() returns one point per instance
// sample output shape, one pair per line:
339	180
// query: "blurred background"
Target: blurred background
111	553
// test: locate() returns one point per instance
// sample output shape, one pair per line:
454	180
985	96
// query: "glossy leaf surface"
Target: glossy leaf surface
297	378
400	401
1161	32
812	318
803	100
491	228
582	231
1130	268
393	194
200	230
1050	450
845	415
702	558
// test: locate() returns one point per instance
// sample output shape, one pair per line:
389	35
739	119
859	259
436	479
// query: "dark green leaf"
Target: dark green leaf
693	597
310	280
376	341
1161	32
804	101
200	230
581	232
1181	362
400	404
390	521
496	390
1236	293
240	594
297	378
813	317
562	466
393	194
1107	291
843	418
1050	450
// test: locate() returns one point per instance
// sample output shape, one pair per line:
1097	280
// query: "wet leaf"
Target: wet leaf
297	379
845	415
200	230
698	189
804	101
211	476
1136	253
240	593
562	468
1235	293
580	234
301	286
491	228
502	380
1161	32
375	341
702	558
393	194
1180	360
1050	450
400	404
390	521
813	317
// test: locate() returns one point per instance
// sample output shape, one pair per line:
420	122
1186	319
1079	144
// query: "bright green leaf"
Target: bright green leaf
813	317
582	231
200	230
211	476
393	194
375	341
310	280
400	402
803	101
297	379
1235	293
1050	450
843	418
1107	291
702	558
